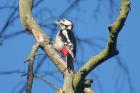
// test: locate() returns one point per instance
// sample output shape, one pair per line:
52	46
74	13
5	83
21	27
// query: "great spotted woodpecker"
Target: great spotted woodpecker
65	41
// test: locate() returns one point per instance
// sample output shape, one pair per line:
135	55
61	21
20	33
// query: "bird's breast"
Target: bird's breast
58	43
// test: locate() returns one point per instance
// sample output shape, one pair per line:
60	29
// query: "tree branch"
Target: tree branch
110	49
30	24
30	60
46	81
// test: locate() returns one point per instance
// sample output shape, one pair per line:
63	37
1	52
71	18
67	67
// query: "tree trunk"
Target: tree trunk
68	85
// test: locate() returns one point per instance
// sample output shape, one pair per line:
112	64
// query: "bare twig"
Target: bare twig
35	71
8	22
31	59
46	81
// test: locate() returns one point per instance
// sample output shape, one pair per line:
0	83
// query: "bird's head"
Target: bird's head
64	24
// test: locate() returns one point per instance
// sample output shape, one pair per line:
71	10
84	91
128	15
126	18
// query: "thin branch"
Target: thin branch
11	35
8	22
69	8
11	72
35	71
110	49
46	81
30	67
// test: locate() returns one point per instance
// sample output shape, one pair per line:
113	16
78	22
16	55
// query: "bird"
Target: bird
65	42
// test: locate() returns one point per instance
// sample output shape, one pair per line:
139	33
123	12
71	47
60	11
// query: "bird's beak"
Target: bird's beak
56	22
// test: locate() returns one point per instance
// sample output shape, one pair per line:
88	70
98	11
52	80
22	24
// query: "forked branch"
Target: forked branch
78	79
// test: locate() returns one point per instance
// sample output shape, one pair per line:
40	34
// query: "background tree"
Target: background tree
50	28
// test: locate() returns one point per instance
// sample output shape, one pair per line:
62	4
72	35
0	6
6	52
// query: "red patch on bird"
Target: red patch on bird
64	51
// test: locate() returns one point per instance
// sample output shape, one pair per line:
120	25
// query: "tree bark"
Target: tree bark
68	85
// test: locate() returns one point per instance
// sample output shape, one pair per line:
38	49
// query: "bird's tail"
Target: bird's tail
70	61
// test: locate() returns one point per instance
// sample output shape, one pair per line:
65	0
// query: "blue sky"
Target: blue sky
118	74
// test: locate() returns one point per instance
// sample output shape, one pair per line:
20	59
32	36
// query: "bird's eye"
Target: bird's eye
63	20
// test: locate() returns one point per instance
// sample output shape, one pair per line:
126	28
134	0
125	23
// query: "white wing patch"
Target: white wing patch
64	32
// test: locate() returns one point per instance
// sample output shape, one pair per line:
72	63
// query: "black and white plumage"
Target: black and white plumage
65	41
